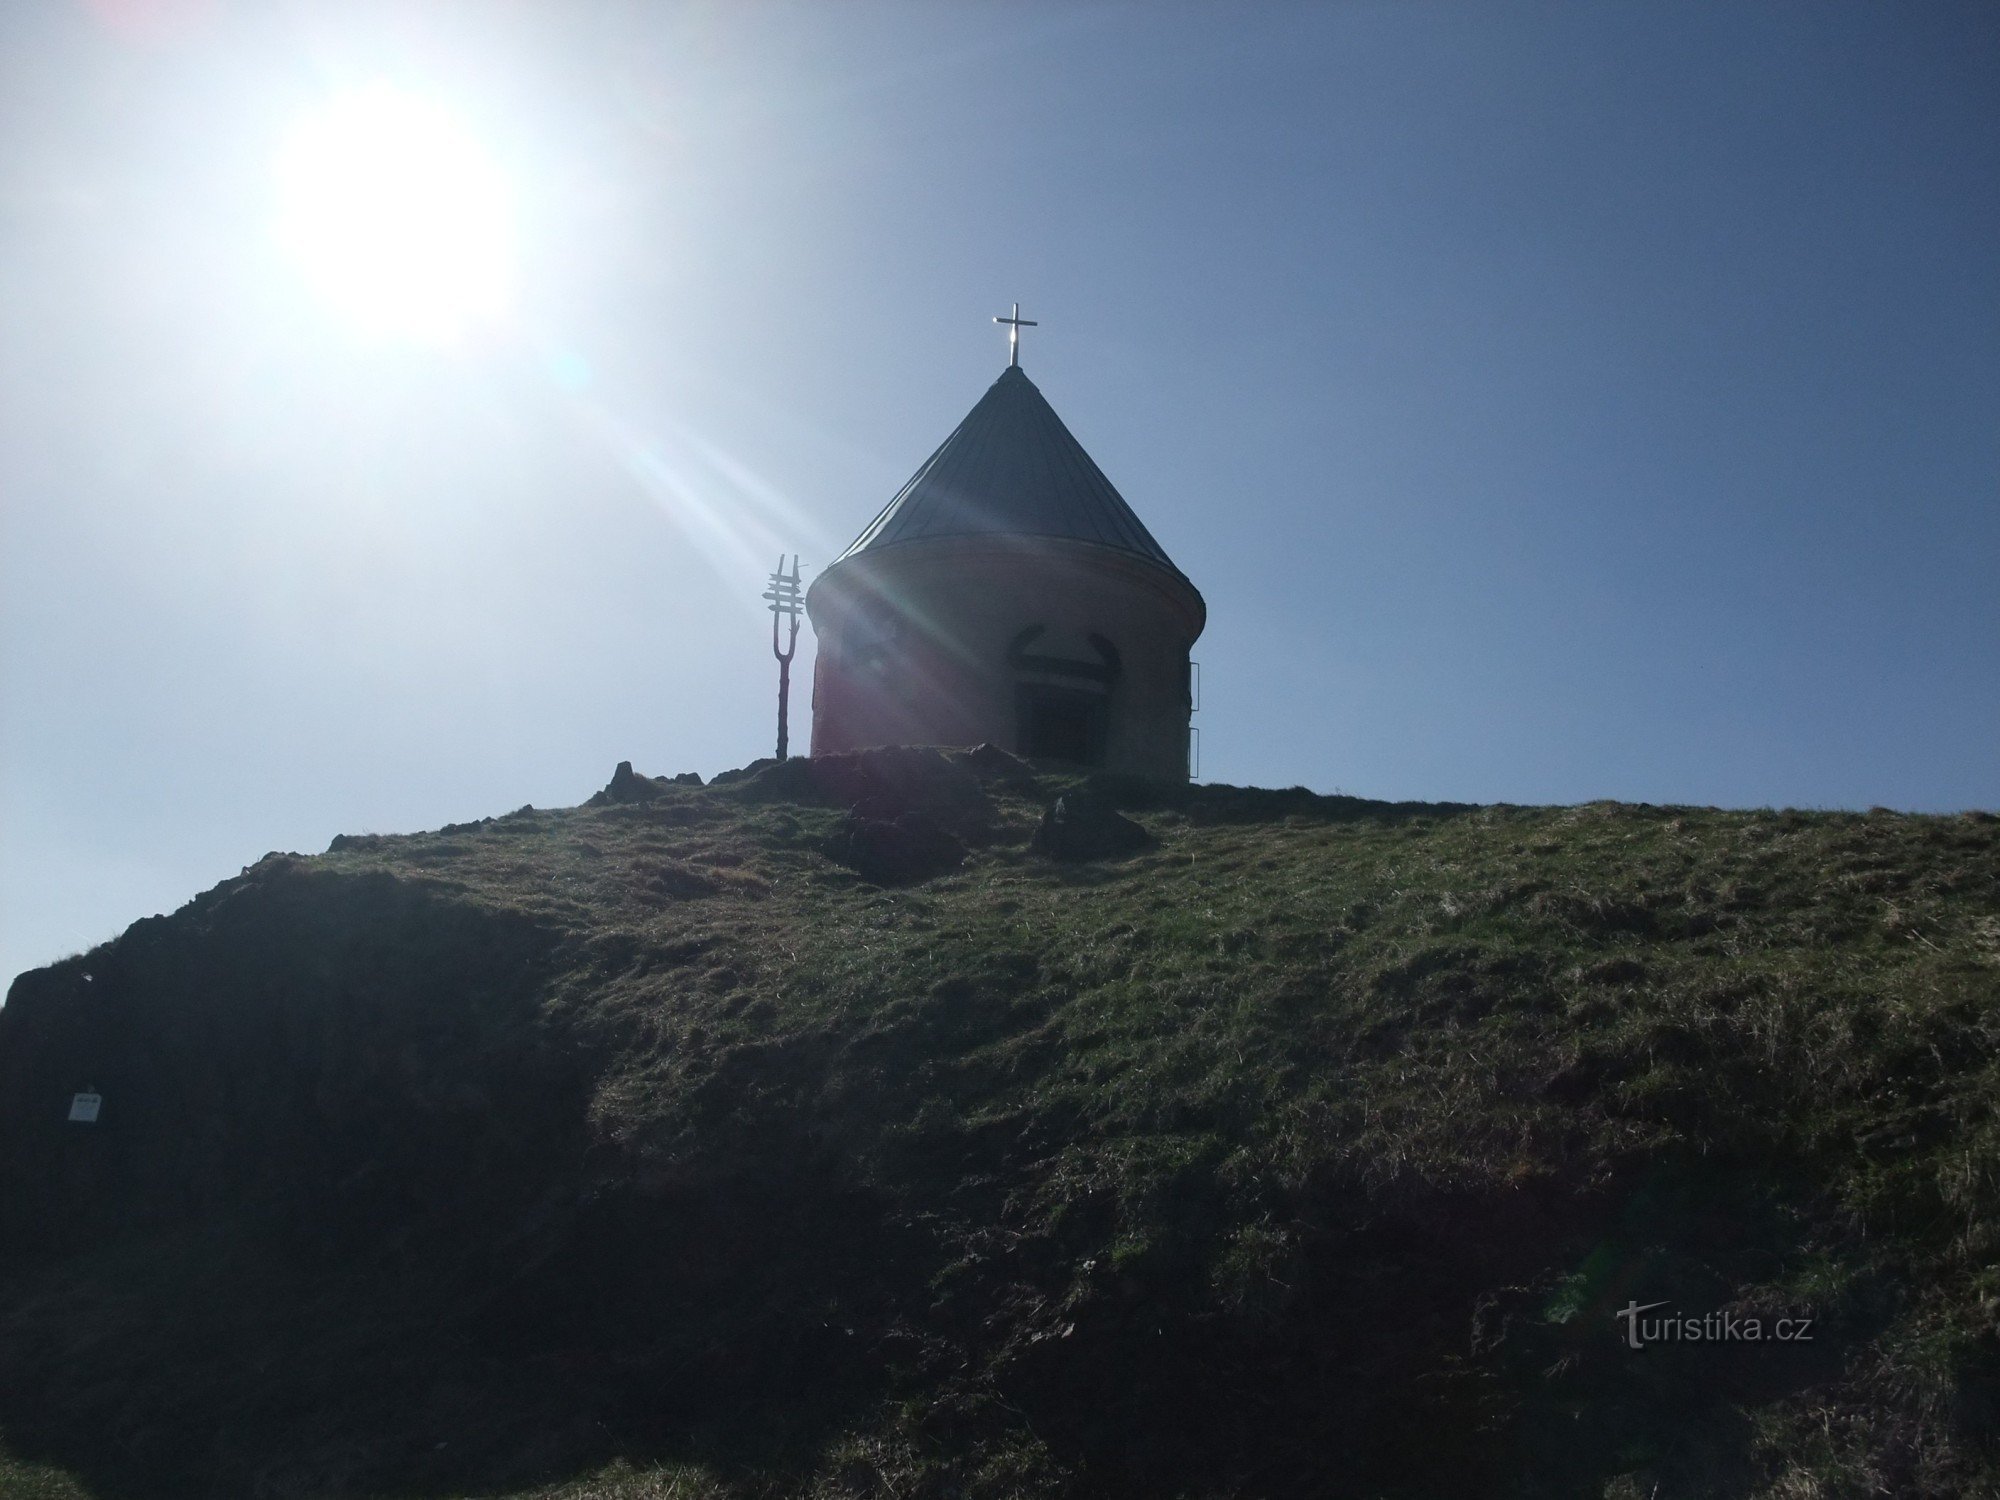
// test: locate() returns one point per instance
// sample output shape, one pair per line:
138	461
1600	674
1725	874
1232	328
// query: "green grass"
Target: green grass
21	1480
642	1149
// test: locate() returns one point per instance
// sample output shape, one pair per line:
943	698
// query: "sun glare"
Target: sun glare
397	216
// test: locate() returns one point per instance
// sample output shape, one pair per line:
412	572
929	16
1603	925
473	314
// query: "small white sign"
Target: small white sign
83	1108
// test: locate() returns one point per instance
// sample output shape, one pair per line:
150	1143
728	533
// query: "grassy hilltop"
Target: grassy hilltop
814	1134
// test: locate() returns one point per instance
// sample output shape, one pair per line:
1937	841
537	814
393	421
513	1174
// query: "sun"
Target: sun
397	215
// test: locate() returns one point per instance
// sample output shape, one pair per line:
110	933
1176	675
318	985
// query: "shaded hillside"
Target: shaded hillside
816	1132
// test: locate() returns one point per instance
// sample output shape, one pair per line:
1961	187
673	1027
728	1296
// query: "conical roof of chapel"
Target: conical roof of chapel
1011	468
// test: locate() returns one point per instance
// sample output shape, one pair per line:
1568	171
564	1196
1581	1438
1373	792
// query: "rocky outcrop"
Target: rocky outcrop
902	850
1081	825
627	785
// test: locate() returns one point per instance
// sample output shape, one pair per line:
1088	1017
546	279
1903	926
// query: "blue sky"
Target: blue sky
1552	402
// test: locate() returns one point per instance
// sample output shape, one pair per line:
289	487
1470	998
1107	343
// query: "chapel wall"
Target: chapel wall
914	647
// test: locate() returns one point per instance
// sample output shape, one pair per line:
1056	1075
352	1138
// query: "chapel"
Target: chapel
1008	595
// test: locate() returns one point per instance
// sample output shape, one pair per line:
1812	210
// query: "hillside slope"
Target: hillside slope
814	1132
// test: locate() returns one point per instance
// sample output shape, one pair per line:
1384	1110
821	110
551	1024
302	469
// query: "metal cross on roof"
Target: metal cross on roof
1015	325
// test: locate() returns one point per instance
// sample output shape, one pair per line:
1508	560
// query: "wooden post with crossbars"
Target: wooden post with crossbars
784	596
